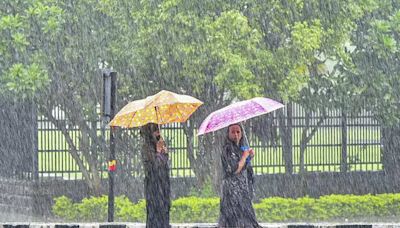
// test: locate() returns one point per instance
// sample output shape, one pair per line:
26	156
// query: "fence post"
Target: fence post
38	198
285	121
343	162
35	149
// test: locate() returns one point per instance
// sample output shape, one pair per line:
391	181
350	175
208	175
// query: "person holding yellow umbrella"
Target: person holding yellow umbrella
148	114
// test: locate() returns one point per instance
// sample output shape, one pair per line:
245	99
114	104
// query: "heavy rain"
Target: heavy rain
241	113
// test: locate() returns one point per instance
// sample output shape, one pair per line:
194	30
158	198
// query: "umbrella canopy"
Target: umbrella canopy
238	112
161	108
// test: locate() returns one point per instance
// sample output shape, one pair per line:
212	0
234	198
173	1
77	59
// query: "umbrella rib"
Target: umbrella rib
179	112
156	108
133	116
158	113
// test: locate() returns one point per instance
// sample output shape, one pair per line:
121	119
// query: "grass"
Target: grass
323	152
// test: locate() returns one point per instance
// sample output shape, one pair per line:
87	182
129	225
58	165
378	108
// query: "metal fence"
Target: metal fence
350	143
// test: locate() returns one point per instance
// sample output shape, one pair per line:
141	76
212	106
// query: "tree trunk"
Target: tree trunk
92	180
205	161
215	152
198	162
305	138
304	141
88	147
391	149
285	129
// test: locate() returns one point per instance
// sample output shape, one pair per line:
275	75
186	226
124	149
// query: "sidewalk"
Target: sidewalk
194	225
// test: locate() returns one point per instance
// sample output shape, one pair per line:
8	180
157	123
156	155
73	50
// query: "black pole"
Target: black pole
109	108
111	169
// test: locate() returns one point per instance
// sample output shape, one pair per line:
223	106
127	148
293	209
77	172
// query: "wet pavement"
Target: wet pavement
193	225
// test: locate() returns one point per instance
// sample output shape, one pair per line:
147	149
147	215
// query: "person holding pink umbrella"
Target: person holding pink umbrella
236	209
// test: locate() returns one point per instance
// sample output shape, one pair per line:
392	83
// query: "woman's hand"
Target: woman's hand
242	161
246	153
251	153
160	147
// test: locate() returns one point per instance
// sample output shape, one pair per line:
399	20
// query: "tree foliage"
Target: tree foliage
321	54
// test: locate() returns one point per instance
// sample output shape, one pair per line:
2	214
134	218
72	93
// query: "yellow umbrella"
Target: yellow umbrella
161	108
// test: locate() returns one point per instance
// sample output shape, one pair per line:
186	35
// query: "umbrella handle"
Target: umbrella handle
245	136
158	122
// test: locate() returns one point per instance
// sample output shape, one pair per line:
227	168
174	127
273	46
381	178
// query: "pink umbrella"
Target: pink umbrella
238	112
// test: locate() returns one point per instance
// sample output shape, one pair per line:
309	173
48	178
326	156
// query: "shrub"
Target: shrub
65	208
194	209
275	209
206	191
128	211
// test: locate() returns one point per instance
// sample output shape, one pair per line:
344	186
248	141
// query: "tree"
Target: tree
218	51
51	53
189	47
374	73
302	37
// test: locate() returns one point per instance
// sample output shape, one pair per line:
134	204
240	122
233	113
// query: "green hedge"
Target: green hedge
275	209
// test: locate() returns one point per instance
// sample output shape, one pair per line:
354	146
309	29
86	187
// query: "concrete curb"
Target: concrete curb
195	225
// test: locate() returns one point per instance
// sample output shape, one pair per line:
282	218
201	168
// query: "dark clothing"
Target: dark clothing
157	190
156	185
236	209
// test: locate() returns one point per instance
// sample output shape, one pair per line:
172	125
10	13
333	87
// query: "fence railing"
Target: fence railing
335	142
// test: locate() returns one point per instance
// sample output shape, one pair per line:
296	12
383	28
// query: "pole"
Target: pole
109	107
